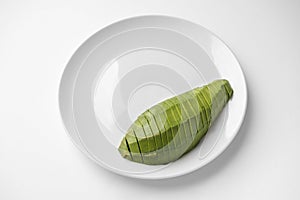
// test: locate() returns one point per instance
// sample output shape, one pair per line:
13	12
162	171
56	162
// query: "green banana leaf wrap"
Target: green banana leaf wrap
173	127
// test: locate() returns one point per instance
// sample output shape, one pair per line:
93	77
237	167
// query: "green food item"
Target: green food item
173	127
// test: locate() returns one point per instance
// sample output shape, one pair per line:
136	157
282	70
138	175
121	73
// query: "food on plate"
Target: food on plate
170	129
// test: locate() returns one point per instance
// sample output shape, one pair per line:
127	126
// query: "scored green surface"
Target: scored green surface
173	127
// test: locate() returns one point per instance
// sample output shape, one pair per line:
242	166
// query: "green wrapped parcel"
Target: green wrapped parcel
173	127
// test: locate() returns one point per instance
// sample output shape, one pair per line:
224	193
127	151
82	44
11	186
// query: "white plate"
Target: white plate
132	64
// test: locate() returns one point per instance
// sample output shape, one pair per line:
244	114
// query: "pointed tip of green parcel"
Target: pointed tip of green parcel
224	83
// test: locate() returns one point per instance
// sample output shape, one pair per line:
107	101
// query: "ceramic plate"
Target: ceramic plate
133	64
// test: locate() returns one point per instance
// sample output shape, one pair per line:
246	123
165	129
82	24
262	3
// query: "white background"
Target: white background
37	158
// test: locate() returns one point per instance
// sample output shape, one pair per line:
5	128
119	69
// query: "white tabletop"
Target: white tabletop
37	158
